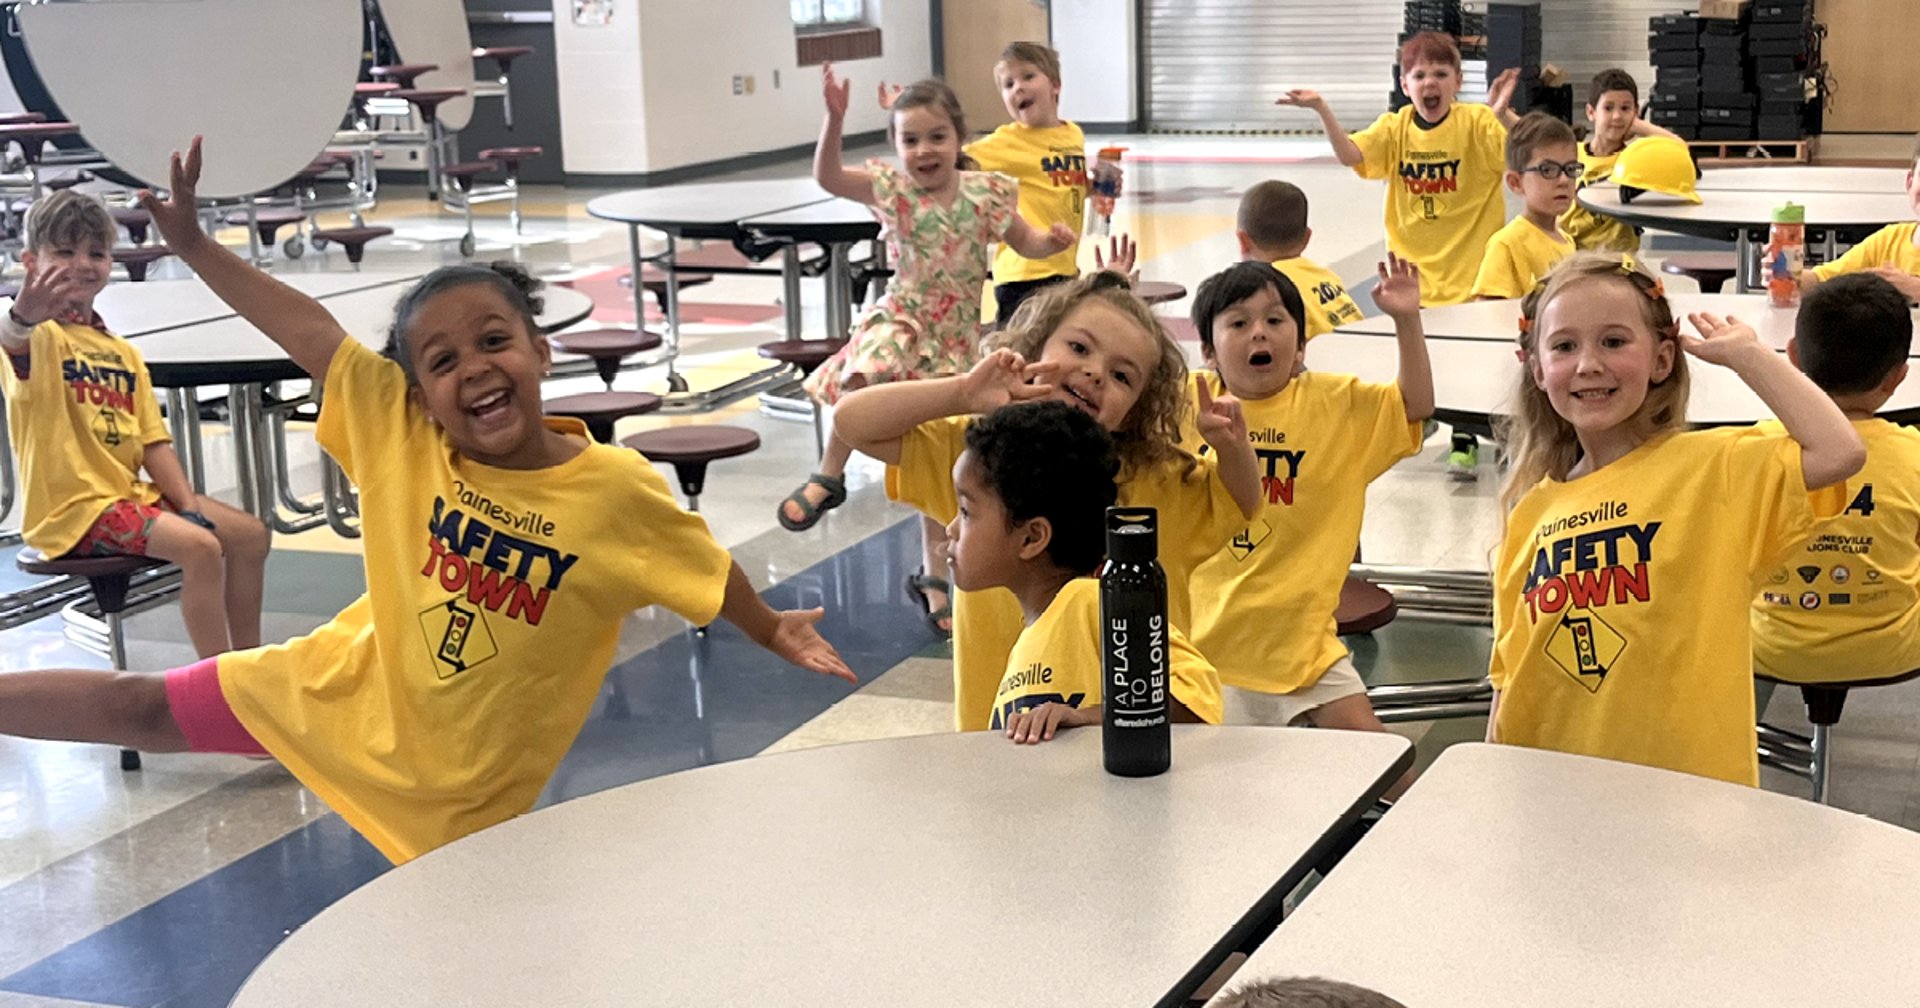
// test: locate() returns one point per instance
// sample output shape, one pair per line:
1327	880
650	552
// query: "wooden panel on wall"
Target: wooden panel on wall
973	33
1869	54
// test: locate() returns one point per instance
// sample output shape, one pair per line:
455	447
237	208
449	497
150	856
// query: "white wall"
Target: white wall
654	91
1098	44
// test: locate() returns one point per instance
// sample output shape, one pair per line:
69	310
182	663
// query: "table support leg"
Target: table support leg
839	291
243	404
790	289
1743	258
675	383
183	419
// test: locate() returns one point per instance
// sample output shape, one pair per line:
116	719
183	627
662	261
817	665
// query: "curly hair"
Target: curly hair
1151	433
520	289
1050	460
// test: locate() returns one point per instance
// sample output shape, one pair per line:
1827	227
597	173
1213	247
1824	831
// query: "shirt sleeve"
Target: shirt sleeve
1379	148
1872	252
146	404
1387	435
673	558
1764	468
923	479
1201	504
1195	682
365	413
1000	204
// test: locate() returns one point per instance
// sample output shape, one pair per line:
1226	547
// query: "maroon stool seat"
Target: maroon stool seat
402	73
509	158
33	136
109	577
1364	607
374	89
1824	702
16	118
806	354
427	100
600	410
137	258
653	280
503	56
462	174
66	181
266	223
688	449
607	347
351	239
1711	270
1158	291
135	220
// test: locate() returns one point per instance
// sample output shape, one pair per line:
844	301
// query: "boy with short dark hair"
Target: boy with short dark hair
1846	605
85	425
1303	992
1272	228
1613	106
1034	485
1892	253
1544	169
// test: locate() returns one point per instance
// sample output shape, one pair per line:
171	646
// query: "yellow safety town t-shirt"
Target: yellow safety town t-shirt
1517	257
1328	305
1263	608
1846	603
1197	515
1621	600
1057	660
1051	167
1890	246
81	408
1443	192
440	702
1591	231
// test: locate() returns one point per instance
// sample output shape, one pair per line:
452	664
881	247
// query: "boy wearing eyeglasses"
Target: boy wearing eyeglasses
1543	167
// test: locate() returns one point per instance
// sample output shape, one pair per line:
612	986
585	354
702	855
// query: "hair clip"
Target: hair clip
1526	325
1658	291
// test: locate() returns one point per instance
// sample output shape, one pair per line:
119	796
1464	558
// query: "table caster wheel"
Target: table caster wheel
319	244
676	382
293	247
468	245
129	760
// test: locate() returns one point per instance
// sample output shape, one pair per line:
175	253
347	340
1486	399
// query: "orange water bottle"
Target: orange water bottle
1786	254
1106	185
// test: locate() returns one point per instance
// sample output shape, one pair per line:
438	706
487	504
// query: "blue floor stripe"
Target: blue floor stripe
196	946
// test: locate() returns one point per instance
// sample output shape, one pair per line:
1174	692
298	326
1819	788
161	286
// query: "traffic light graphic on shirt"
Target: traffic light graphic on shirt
1585	647
458	637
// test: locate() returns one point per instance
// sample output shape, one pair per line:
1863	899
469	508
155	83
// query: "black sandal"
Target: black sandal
809	511
917	587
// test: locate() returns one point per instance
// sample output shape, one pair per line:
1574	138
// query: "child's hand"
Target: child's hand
1722	341
1302	98
1003	377
796	640
1902	280
1061	237
177	218
1039	724
43	294
1398	293
1500	92
889	93
1219	419
838	92
1120	257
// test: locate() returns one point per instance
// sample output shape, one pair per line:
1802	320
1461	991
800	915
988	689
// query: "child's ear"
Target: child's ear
1246	243
1892	381
29	260
1036	534
1513	182
1793	353
1306	238
419	400
1663	354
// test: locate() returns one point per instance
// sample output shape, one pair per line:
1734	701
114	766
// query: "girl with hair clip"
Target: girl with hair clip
1091	344
1623	581
941	222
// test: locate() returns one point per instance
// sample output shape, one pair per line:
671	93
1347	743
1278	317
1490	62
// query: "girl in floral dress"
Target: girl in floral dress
942	223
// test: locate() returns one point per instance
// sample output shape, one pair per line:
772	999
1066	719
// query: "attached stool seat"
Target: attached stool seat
353	240
509	158
135	220
462	175
137	258
109	577
1711	270
33	136
427	102
688	450
601	410
1364	607
265	223
403	74
503	57
16	118
807	355
654	281
1824	702
1158	291
607	347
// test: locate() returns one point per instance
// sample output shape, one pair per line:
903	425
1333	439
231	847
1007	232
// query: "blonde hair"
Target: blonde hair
66	218
1540	442
1151	433
1040	55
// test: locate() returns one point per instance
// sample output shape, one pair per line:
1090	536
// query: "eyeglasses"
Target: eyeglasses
1551	170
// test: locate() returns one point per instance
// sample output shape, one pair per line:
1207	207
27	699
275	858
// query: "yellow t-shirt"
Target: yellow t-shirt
1589	230
81	408
1197	517
1328	305
1051	166
1890	246
439	702
1846	603
1057	660
1517	257
1620	600
1443	192
1263	608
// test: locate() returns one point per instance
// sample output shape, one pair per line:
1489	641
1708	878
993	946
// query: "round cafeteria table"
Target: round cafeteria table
938	870
1803	179
836	225
1510	876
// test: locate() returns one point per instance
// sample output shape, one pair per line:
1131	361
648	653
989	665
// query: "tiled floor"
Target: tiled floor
164	887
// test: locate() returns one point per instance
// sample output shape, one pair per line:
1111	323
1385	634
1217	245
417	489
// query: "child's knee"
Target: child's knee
244	535
193	547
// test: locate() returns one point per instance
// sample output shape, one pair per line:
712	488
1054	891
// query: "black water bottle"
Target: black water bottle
1136	732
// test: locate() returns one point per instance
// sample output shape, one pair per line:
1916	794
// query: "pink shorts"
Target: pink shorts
121	529
201	711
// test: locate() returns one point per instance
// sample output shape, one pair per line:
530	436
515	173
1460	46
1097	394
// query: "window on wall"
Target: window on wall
826	13
835	30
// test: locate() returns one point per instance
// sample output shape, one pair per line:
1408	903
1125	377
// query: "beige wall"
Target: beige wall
974	32
1869	52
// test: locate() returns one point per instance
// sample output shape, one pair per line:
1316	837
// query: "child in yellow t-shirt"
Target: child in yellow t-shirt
1272	228
1094	346
1263	608
1033	487
1893	252
438	703
1623	581
1845	604
1613	106
85	425
1543	169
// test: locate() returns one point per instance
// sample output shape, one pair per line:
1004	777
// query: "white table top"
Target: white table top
1516	877
1750	208
1786	179
705	204
940	870
138	309
1475	379
1498	321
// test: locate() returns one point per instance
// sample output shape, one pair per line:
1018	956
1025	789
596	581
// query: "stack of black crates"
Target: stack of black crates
1513	43
1673	44
1444	16
1726	105
1780	49
1734	78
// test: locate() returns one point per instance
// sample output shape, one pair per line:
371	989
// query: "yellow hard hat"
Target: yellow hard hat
1656	164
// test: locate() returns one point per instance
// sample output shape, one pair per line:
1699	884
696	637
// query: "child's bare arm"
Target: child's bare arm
162	464
295	321
1224	428
1500	96
1399	296
1493	716
1643	128
875	419
828	170
1033	243
789	633
1344	148
1830	449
